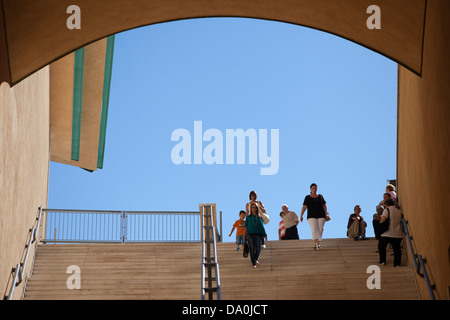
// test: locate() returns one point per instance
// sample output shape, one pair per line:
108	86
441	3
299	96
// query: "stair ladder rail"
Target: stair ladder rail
208	220
18	273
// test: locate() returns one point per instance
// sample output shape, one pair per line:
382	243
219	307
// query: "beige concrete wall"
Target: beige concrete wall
423	148
24	166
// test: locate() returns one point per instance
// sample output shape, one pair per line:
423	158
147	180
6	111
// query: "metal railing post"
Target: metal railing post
221	233
123	227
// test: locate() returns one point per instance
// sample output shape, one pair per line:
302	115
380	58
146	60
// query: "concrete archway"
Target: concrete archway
34	34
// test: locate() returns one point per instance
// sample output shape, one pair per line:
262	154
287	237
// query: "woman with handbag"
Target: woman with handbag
391	232
252	196
317	213
255	233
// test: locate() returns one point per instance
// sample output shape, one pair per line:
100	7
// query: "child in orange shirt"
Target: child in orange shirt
239	225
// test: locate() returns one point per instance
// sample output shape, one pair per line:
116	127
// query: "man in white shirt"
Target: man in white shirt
291	221
393	235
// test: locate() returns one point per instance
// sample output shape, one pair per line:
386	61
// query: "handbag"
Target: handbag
384	226
246	249
263	214
265	217
327	215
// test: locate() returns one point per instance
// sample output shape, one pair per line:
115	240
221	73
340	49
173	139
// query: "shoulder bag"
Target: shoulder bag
384	226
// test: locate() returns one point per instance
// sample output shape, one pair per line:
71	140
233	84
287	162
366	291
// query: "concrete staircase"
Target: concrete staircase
117	271
171	271
293	270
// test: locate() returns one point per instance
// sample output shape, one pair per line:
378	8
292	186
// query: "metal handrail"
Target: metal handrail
16	271
21	267
409	238
425	275
209	255
216	266
419	262
203	271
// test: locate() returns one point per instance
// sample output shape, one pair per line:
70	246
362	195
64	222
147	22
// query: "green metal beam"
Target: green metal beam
77	103
105	100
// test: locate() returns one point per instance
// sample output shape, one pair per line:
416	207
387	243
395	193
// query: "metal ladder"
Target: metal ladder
210	266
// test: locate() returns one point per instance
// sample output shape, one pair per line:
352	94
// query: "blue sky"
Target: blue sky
333	102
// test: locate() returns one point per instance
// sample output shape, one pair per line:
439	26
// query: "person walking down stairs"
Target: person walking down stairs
317	211
255	233
239	225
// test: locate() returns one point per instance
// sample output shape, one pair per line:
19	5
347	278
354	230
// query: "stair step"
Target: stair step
209	264
288	270
293	270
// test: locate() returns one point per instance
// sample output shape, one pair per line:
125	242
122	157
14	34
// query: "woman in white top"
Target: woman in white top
393	235
252	196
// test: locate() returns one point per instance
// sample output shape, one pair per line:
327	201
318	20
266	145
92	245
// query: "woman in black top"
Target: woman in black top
317	208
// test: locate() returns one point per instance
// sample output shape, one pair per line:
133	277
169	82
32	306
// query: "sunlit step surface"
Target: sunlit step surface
288	270
293	270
